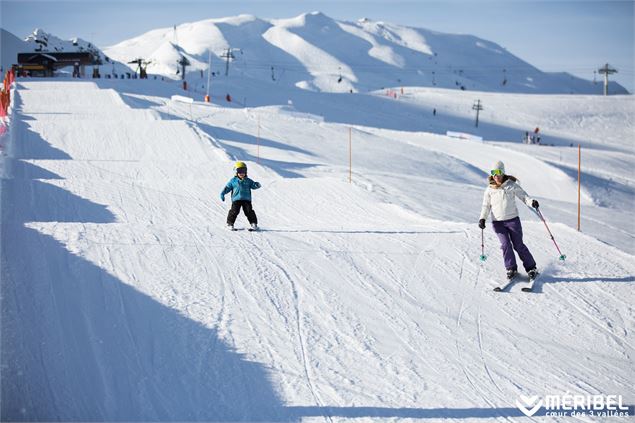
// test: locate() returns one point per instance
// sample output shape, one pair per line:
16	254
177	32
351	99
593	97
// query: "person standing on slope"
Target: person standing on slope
499	198
240	187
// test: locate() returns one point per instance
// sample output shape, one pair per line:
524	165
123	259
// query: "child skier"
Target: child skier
499	198
240	186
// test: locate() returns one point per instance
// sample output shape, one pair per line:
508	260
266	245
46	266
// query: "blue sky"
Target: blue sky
573	36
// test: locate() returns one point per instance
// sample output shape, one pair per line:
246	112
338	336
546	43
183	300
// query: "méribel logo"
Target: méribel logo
529	405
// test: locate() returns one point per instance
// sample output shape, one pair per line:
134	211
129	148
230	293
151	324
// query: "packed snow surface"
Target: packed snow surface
363	297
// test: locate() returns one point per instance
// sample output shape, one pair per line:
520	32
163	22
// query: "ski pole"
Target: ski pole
483	257
562	256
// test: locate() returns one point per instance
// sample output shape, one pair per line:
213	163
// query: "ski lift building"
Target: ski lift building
45	64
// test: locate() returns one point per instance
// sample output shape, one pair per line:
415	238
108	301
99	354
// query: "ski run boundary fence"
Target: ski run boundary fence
5	100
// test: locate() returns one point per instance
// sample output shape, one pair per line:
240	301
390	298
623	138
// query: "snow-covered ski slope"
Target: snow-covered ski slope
123	298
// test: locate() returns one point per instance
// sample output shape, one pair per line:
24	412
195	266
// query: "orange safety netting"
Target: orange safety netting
5	94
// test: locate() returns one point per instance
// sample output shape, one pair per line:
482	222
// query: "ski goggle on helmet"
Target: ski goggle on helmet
240	167
497	169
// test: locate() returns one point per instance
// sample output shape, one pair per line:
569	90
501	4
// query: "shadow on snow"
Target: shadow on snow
81	344
547	280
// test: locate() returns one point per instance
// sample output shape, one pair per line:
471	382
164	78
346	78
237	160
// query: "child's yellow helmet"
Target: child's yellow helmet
240	165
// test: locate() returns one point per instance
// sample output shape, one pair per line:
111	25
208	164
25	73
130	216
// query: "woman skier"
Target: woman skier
240	186
499	198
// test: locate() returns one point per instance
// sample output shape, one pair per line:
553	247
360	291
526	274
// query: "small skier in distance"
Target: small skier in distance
240	187
499	198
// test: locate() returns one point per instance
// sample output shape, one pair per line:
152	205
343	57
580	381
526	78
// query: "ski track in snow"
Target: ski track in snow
485	396
278	265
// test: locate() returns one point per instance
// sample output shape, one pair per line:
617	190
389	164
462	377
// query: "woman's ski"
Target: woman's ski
532	282
507	285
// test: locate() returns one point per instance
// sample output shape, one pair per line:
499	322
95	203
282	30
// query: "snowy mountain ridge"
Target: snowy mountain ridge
316	52
40	41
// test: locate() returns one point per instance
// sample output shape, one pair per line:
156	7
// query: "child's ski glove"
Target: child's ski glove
222	197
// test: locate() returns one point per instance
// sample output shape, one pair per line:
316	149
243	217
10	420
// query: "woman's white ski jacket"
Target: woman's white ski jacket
501	200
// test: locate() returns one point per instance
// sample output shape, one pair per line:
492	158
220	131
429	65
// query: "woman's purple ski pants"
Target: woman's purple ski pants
510	234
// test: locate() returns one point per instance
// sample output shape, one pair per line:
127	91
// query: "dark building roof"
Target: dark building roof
55	59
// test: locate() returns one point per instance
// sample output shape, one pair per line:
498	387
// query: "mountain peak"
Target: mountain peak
315	18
